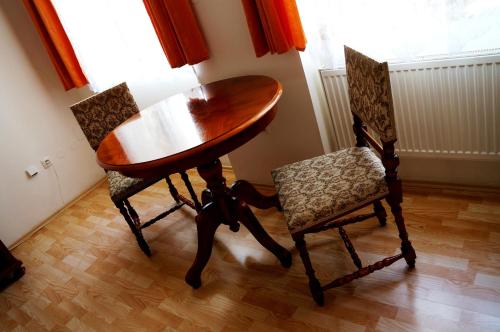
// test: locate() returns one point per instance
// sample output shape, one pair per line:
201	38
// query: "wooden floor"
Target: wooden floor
85	272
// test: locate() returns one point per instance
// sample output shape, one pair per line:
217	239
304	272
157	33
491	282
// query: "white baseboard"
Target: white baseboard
483	173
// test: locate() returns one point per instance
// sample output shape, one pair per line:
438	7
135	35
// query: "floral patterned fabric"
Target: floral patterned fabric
121	187
315	190
370	93
100	114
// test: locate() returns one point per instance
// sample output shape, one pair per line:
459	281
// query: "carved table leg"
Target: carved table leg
206	197
222	205
206	224
247	193
248	219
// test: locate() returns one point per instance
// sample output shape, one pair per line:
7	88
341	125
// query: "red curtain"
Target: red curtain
178	31
56	42
274	25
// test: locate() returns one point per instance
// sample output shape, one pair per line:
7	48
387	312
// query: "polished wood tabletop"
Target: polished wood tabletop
201	124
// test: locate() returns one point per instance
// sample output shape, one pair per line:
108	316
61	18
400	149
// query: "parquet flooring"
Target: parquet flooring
85	272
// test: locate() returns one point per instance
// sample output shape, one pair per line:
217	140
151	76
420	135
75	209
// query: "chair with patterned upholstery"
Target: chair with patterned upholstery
100	114
317	192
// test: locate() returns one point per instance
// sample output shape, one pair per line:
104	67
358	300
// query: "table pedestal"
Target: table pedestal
222	205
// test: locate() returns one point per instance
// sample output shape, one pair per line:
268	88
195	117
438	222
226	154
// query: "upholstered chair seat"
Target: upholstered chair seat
319	189
122	187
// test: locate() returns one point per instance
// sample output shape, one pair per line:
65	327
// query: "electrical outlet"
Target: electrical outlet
31	170
46	162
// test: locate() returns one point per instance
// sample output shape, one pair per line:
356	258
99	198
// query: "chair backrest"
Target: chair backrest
100	114
370	93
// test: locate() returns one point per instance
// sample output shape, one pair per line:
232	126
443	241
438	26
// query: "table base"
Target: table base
229	206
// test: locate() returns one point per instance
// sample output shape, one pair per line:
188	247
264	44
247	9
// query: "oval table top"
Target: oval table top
191	128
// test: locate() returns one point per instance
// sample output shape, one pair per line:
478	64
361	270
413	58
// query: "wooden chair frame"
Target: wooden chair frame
134	222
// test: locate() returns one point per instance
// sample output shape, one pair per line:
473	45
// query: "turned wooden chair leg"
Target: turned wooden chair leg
350	248
132	220
379	210
189	187
173	191
133	214
314	284
406	248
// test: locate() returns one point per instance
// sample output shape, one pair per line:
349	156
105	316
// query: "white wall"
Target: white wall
294	133
35	121
319	102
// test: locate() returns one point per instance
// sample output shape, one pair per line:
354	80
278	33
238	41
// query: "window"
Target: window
401	31
115	41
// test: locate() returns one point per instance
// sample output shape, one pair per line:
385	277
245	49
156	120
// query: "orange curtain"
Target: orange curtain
178	31
274	26
56	42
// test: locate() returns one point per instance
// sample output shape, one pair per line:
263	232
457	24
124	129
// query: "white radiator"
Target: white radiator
443	108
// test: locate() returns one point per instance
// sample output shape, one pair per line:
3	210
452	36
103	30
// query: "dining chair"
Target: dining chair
316	193
98	115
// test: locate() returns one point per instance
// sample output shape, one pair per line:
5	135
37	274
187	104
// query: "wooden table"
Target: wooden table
194	129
